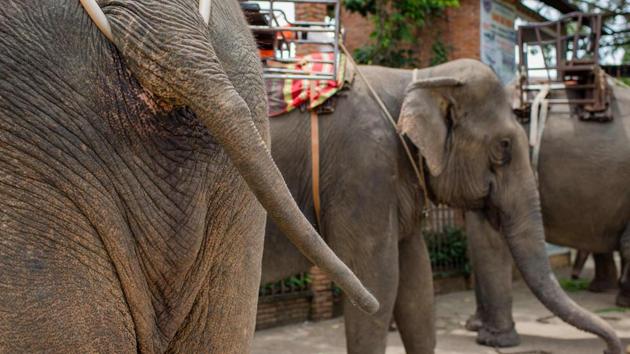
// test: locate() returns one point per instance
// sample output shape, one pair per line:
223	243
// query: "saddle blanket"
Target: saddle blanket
286	95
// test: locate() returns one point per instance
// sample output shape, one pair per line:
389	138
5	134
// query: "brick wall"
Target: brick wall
322	303
458	28
310	12
316	304
283	311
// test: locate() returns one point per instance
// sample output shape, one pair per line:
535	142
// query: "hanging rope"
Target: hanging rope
417	169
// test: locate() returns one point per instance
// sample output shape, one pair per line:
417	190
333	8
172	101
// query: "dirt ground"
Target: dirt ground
540	332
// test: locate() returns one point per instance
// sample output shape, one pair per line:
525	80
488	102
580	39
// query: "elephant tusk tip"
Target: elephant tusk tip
98	17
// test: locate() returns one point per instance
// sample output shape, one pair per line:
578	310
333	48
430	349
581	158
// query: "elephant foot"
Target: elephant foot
498	339
473	324
603	285
623	299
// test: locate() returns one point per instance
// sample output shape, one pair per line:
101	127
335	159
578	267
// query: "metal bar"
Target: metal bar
551	41
597	30
308	41
337	38
311	23
559	48
290	71
298	77
573	68
300	60
557	86
522	64
570	101
290	29
565	18
575	38
294	60
542	52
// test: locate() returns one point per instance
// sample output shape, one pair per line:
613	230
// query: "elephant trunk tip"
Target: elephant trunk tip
355	292
367	303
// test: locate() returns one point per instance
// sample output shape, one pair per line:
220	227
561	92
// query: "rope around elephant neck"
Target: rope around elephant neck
418	169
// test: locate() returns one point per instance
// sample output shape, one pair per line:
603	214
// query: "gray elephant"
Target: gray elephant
459	119
606	276
127	223
584	177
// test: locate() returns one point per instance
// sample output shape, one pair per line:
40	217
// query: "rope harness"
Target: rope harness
418	169
315	166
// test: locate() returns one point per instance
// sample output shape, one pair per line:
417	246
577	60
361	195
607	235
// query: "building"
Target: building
478	29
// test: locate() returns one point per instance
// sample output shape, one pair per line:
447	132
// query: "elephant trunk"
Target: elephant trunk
521	221
242	141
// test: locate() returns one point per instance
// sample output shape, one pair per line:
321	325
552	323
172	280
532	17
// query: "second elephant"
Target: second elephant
584	178
475	154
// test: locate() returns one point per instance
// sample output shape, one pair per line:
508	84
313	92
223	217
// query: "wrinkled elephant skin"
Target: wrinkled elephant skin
584	179
133	177
475	157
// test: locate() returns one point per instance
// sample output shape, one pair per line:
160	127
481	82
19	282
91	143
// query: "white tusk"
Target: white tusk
204	10
97	15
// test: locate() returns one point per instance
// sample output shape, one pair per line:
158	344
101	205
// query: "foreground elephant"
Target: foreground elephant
584	176
460	120
126	218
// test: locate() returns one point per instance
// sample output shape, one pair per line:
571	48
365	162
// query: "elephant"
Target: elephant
459	126
606	276
135	179
585	205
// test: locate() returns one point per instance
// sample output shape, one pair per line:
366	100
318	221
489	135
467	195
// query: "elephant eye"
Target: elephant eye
501	154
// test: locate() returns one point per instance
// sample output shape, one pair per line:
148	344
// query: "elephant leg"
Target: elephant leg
623	298
578	265
606	276
474	323
491	262
223	315
414	311
369	246
59	290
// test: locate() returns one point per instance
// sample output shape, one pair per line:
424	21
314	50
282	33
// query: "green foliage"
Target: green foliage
573	286
439	53
613	309
396	23
448	251
294	282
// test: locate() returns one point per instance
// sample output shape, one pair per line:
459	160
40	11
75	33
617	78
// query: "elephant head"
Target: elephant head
459	117
172	48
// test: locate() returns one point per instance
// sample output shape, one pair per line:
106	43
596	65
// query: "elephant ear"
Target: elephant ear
423	118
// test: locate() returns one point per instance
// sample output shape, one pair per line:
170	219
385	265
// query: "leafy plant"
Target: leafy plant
448	251
396	23
573	286
296	282
613	309
439	52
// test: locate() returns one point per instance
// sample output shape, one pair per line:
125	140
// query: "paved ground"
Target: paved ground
540	332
